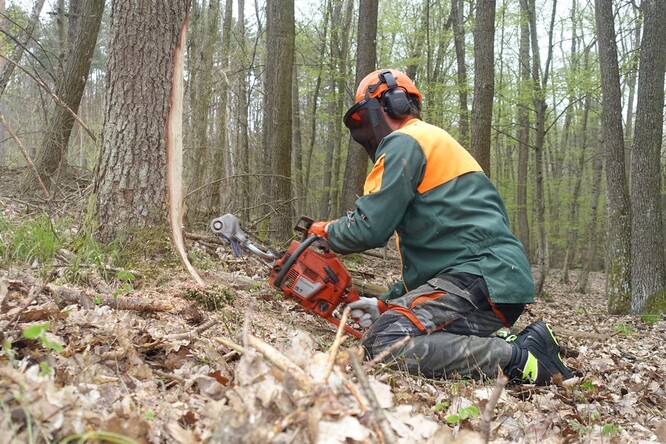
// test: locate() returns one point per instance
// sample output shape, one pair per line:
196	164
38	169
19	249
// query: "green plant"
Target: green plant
463	414
587	385
31	239
610	430
38	332
441	406
624	329
650	318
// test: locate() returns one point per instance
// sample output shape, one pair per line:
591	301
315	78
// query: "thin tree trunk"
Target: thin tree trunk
619	211
484	82
457	7
356	167
523	129
243	142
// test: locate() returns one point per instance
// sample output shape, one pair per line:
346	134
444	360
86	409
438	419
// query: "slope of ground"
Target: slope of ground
163	360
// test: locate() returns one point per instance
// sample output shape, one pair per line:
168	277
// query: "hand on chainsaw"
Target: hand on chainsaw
365	311
319	228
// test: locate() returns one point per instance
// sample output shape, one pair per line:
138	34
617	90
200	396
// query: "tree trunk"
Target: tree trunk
201	50
356	167
243	182
277	113
619	212
70	90
22	44
591	250
457	7
130	175
648	273
523	128
484	82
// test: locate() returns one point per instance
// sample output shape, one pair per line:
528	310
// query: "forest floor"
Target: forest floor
160	359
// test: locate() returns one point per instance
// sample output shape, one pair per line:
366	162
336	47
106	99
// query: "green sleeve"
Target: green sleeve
378	214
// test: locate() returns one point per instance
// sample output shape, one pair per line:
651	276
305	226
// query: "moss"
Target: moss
656	303
210	298
148	250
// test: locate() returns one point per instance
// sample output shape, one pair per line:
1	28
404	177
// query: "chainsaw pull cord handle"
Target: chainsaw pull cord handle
292	259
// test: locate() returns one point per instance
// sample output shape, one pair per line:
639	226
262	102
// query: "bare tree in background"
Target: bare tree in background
280	35
356	167
52	154
484	82
619	211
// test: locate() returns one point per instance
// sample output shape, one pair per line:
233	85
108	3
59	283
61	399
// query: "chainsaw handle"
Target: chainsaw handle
290	261
303	229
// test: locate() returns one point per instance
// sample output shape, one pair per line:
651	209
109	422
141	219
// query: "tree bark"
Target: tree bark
648	273
280	35
457	7
484	82
619	212
523	128
356	167
129	182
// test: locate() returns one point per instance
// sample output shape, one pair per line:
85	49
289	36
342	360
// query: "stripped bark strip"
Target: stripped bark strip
174	157
487	418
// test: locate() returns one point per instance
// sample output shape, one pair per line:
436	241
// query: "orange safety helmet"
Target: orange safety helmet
374	86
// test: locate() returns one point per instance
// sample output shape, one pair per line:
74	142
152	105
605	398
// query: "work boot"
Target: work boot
535	356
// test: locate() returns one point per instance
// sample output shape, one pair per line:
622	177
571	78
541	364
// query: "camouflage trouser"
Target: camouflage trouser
452	326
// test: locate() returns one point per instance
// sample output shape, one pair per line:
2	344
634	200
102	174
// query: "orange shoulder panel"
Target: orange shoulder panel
374	180
446	159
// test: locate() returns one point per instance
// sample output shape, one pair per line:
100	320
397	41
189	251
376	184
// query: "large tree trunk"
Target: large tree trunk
70	90
130	175
648	274
619	212
277	114
356	167
484	82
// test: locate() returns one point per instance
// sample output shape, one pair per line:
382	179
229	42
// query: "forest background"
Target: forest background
561	102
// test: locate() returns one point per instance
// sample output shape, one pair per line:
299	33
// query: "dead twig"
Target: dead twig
487	417
339	339
230	344
192	333
282	362
380	417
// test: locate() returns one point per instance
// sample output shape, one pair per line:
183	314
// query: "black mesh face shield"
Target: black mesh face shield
367	124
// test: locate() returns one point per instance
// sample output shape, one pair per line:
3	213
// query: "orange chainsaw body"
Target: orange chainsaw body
318	282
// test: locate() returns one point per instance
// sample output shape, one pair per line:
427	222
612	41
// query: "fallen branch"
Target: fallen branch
282	362
380	417
192	333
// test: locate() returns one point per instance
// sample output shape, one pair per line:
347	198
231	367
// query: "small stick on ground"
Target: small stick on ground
282	362
381	420
490	407
192	333
339	339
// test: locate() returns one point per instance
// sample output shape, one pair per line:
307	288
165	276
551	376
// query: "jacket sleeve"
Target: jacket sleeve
389	189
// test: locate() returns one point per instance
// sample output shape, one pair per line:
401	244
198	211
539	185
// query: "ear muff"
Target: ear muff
395	100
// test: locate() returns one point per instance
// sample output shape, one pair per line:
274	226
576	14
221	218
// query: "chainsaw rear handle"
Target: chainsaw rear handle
279	277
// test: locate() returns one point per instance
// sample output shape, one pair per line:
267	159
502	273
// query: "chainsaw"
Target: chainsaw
317	281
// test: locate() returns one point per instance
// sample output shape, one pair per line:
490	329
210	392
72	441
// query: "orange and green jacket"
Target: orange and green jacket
446	214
